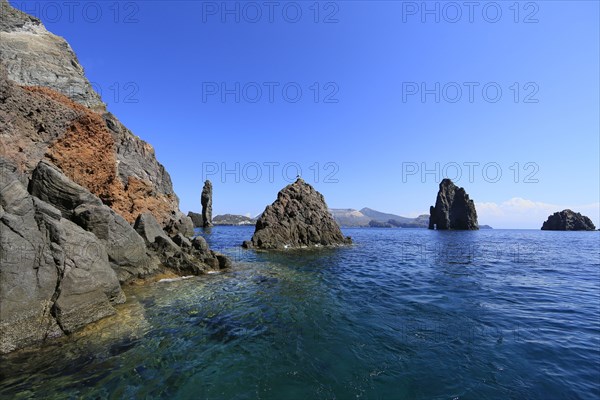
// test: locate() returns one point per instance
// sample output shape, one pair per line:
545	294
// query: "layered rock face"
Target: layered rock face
64	255
298	218
35	57
55	277
72	184
206	200
453	209
48	110
567	220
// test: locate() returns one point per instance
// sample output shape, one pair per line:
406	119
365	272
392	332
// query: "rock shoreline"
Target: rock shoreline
85	207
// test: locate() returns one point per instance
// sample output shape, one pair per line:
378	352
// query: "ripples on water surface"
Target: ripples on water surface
403	314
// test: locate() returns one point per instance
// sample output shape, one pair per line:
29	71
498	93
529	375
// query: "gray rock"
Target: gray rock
206	200
49	184
197	219
54	276
182	241
125	247
568	220
298	218
180	224
36	57
199	243
148	228
453	209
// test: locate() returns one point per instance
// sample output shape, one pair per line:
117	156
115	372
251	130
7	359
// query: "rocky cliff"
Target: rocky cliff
453	209
36	57
567	220
84	204
298	218
48	110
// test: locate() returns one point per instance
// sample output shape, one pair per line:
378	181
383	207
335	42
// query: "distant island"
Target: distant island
345	217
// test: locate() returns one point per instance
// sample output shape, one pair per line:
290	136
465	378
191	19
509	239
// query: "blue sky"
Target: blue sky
379	98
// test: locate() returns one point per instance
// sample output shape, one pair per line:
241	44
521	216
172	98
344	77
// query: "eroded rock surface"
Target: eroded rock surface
54	276
568	220
453	209
298	218
206	200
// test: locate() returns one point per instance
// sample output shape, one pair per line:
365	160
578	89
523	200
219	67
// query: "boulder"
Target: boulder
453	209
125	247
298	218
199	243
206	200
180	224
49	184
567	220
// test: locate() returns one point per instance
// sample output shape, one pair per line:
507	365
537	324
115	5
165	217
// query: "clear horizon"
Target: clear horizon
372	102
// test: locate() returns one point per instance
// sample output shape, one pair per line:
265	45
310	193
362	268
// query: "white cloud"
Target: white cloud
523	213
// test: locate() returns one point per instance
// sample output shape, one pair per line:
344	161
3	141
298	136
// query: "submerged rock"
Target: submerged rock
298	218
567	220
453	209
206	200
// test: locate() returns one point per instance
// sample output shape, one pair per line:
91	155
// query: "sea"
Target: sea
401	314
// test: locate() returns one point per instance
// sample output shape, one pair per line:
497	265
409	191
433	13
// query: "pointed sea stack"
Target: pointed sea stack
298	218
567	220
206	200
453	209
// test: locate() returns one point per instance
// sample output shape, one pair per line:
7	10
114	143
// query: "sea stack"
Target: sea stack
206	200
299	218
568	220
453	209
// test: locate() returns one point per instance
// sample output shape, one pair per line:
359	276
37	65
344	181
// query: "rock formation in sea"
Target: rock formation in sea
453	209
298	218
73	181
197	219
567	220
206	200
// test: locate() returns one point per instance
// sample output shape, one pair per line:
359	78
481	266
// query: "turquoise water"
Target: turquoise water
402	314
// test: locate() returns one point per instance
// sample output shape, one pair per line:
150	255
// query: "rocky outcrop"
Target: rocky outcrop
73	180
55	277
48	110
453	209
36	57
197	219
567	220
179	253
298	218
206	200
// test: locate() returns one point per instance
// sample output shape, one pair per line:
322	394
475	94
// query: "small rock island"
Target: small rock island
568	220
206	200
453	209
299	218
